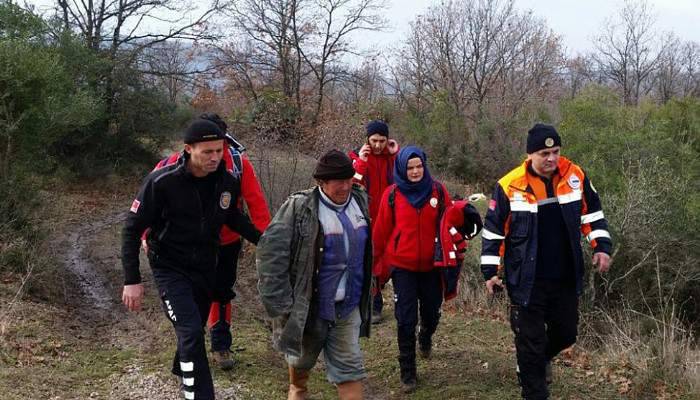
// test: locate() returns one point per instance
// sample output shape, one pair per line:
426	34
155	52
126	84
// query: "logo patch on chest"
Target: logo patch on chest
574	182
225	200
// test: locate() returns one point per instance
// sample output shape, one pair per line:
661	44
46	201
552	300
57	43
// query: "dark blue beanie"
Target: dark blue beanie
377	127
542	136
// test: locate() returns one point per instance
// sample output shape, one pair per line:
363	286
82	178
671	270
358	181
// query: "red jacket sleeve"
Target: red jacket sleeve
360	167
381	233
253	196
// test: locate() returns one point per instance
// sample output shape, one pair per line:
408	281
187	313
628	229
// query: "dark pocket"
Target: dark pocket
519	224
513	258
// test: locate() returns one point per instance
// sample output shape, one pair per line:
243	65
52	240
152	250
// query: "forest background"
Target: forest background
89	93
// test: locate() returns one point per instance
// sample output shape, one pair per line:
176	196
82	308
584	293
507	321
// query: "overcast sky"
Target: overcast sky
575	20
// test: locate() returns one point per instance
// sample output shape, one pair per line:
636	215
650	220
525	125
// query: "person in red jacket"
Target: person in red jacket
374	169
404	237
219	321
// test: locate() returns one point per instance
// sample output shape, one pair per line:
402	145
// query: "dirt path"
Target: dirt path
91	281
138	346
90	252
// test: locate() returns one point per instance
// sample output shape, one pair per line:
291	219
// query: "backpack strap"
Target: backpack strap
441	198
392	203
237	158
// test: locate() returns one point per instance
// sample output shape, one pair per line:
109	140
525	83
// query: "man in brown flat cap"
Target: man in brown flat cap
314	264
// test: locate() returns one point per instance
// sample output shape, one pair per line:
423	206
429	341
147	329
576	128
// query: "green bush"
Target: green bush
644	162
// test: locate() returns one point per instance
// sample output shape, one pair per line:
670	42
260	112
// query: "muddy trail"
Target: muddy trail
137	347
89	251
92	283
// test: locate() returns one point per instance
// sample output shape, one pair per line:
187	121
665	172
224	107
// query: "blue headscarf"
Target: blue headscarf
417	193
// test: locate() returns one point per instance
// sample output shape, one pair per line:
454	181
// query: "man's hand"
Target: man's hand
364	152
602	261
495	281
393	146
132	296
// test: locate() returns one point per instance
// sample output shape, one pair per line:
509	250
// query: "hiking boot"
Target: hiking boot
409	386
425	351
409	382
297	384
548	373
223	359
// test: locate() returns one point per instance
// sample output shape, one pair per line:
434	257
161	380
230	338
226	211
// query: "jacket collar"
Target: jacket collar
521	184
313	196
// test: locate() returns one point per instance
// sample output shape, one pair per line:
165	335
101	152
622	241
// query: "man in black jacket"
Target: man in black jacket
185	205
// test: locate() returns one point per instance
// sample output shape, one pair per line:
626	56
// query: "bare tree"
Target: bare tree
175	66
410	72
114	25
272	31
668	74
123	29
338	20
364	85
690	67
579	71
483	54
628	52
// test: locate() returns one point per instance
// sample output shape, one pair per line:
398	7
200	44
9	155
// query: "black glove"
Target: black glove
472	221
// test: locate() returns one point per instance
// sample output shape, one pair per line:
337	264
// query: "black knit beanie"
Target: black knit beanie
377	127
334	165
542	136
202	130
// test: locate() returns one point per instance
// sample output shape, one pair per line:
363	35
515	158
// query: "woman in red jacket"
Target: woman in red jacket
404	248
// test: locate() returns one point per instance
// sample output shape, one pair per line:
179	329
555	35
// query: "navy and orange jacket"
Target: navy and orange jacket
510	234
404	237
375	174
251	192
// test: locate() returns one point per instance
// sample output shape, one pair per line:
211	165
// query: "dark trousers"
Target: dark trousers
187	305
545	327
226	272
414	293
377	302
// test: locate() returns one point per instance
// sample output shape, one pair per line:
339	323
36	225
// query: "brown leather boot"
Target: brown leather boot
297	384
350	390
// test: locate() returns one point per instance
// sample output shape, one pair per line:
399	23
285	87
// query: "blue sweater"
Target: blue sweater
341	273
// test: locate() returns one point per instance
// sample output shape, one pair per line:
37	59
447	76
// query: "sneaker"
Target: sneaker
223	359
548	373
